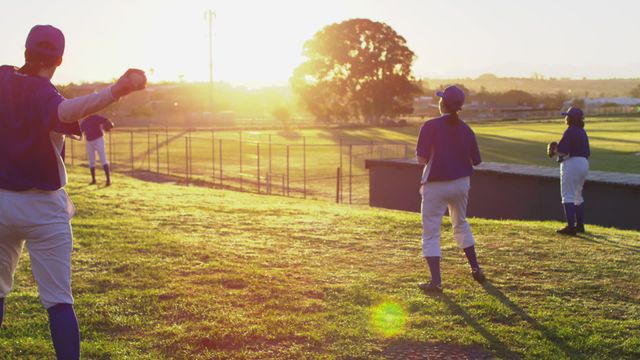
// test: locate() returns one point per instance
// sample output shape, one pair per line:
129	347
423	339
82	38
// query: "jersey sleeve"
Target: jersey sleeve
68	129
425	142
47	101
474	149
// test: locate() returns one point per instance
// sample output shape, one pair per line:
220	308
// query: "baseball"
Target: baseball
138	80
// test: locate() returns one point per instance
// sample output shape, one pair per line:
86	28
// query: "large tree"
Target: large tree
356	69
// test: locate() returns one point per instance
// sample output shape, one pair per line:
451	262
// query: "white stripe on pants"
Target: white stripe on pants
42	219
94	146
573	174
437	196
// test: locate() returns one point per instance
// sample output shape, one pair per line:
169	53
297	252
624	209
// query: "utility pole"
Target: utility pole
210	17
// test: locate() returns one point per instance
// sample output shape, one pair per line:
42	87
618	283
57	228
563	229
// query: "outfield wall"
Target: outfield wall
508	191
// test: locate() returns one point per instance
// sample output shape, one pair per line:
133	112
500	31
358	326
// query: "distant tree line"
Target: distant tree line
514	98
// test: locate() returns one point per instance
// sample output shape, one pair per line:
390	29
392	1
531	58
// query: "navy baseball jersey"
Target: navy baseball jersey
451	149
92	127
28	114
575	142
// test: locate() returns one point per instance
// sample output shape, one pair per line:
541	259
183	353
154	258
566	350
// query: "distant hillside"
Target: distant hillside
540	85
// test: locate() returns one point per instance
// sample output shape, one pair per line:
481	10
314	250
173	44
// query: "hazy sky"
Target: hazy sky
259	42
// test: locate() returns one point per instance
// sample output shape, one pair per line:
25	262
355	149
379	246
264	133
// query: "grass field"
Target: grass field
163	271
615	147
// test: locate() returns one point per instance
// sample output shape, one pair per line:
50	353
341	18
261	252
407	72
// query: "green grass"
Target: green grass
615	143
162	271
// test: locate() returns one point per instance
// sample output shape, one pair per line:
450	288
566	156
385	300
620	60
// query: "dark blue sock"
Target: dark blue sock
64	331
570	214
580	215
434	268
471	256
1	310
107	173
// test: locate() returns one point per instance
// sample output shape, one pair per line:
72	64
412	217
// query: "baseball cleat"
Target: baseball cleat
108	183
93	182
478	275
430	288
567	230
580	229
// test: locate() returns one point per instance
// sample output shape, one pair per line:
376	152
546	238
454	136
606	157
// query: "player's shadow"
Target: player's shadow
551	336
500	349
603	240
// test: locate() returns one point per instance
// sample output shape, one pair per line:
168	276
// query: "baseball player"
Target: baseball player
34	208
572	152
93	128
448	148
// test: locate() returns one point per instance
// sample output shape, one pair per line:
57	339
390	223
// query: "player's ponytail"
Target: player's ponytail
577	122
34	62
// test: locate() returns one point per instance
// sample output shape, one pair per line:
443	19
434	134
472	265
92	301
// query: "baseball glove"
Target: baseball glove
551	149
107	126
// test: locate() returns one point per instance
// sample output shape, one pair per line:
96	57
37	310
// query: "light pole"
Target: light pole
210	17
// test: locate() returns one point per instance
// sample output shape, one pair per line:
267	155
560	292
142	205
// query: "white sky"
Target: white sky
258	43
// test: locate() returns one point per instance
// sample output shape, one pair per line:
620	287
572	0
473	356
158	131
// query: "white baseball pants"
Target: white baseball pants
437	196
94	146
573	174
41	218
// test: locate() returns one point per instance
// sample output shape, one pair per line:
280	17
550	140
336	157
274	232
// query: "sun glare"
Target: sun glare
388	319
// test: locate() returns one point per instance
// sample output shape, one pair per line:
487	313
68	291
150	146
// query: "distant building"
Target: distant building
604	101
423	103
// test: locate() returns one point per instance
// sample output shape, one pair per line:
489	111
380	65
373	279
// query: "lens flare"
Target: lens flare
388	319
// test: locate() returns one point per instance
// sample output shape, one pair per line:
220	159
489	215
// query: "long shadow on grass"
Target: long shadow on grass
494	343
603	240
548	333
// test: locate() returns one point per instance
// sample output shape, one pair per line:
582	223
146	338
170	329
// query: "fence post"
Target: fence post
110	151
190	158
213	157
157	154
186	158
131	151
288	188
341	167
270	154
338	186
283	188
148	148
350	173
71	142
241	182
114	157
258	164
304	164
406	151
166	133
220	158
268	184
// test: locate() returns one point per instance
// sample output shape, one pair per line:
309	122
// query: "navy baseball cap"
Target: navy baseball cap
574	113
46	40
453	97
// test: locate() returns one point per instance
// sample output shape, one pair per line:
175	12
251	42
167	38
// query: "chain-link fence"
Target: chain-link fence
303	167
